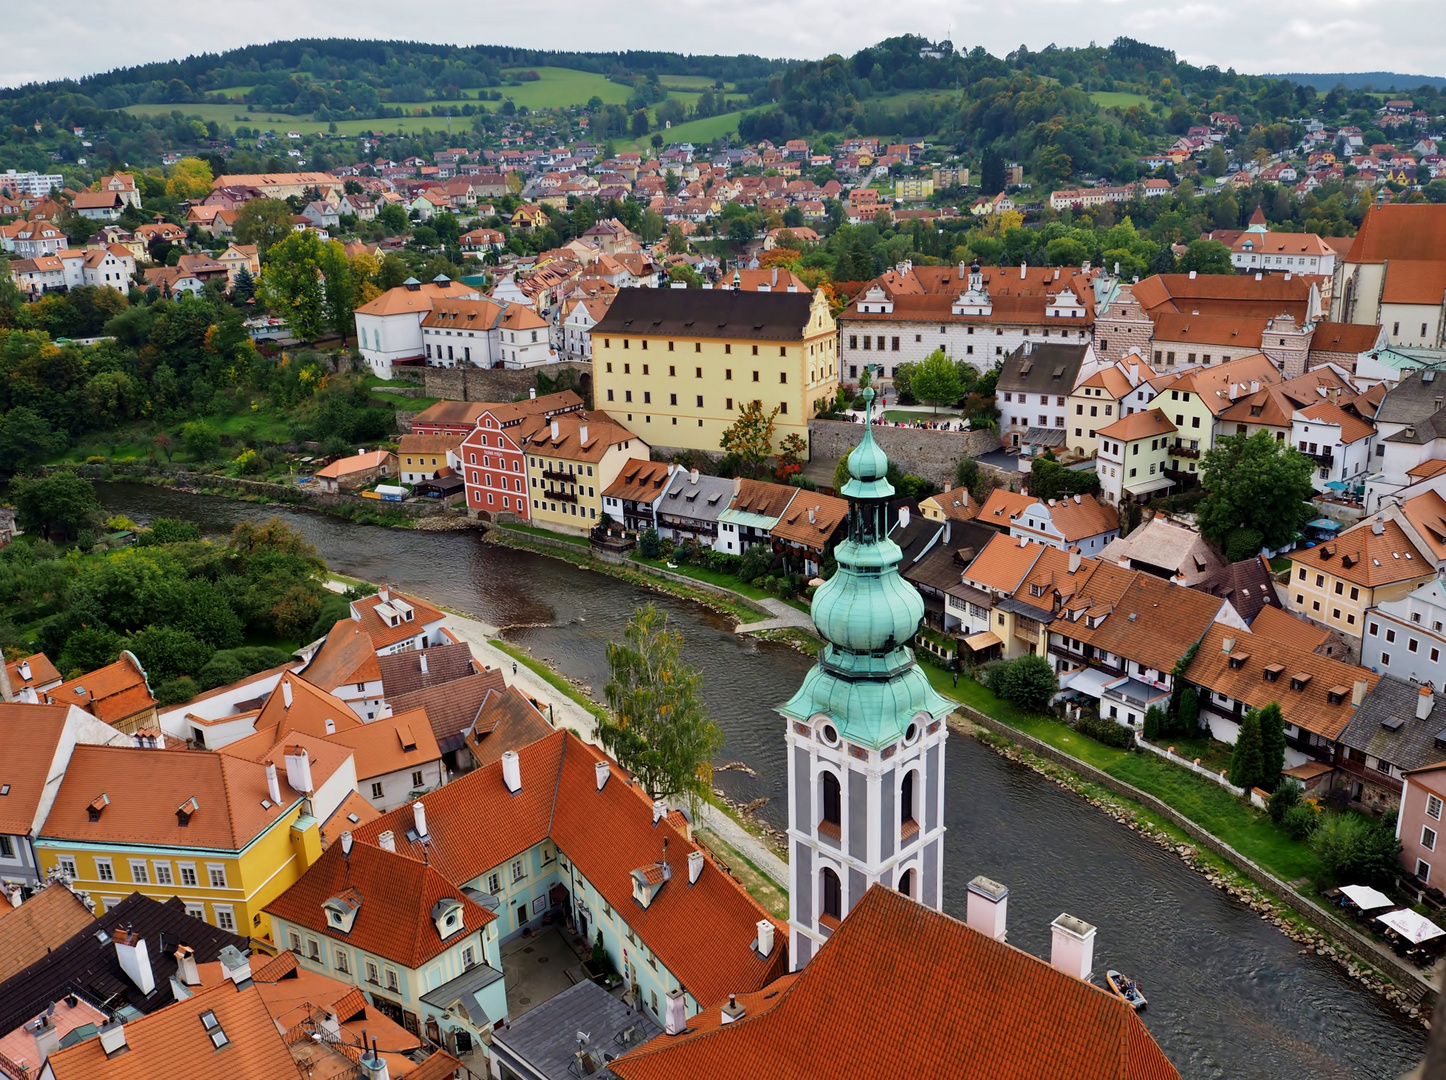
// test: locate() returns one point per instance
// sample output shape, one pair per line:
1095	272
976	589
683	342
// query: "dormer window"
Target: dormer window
447	915
1273	672
1237	660
1300	681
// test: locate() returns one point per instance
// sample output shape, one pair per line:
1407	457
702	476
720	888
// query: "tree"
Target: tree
790	457
56	507
677	242
841	474
658	728
1272	744
292	284
338	288
650	545
167	653
1048	479
750	437
1247	761
1154	722
1354	849
26	437
245	287
1254	482
201	440
935	381
967	474
1215	161
89	648
1027	682
1206	257
263	222
1187	717
189	178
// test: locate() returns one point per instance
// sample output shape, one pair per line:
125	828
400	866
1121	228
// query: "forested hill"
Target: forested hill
1365	80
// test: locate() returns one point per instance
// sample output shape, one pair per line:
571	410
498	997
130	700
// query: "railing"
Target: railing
1185	451
556	474
561	496
1194	766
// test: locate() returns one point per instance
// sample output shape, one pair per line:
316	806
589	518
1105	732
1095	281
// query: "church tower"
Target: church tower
866	731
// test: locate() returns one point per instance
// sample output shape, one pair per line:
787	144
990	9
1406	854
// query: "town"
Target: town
1116	461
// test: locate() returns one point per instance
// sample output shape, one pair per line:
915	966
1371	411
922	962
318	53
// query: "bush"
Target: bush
168	531
679	555
1106	731
1154	722
1187	720
756	562
649	544
1026	682
176	691
1242	544
1300	821
1286	796
1353	849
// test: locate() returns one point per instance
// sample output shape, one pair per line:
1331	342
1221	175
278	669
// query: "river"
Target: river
1229	995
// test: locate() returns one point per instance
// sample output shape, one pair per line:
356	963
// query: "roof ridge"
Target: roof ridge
557	786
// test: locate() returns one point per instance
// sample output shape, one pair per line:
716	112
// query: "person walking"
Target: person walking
956	677
514	667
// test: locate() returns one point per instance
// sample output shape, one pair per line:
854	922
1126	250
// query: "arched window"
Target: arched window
906	799
831	802
831	894
906	884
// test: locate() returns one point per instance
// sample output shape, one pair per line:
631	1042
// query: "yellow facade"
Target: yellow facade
1341	604
225	888
566	495
685	392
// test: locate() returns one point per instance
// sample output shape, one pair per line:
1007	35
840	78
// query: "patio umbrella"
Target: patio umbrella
1414	928
1365	897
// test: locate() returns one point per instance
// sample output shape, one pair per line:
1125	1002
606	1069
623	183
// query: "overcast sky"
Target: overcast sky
84	36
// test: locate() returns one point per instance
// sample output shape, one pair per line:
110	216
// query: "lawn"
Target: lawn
906	416
1117	99
759	885
697	131
711	577
579	541
560	87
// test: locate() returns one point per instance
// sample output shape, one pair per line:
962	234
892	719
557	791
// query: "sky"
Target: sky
83	36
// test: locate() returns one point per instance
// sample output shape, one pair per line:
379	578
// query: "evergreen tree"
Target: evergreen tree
1272	742
1247	763
245	287
1154	721
1187	717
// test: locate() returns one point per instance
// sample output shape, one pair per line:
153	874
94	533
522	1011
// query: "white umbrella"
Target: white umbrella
1414	928
1365	897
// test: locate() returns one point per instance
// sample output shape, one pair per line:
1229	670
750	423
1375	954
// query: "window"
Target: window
138	872
67	866
1423	870
342	964
377	789
1433	807
1428	838
469	954
755	376
225	918
103	870
294	940
518	871
217	876
393	982
832	801
188	875
373	976
832	894
783	375
417	778
196	911
755	350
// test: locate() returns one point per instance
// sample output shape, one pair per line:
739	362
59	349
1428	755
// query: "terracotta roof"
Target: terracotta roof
311	707
1081	516
763	498
44	922
419	301
956	504
483	314
507	720
1427	469
353	806
347	656
1413	231
31	736
402	672
1353	428
397	892
1003	563
1138	425
1280	626
607	834
1309	707
1003	506
993	1011
1146	619
175	1041
514	412
812	519
602	433
383	634
112	693
452	706
372	459
1226	294
1223	330
452	412
428	444
1358	555
400	741
1216	384
639	481
1113	381
145	788
1344	337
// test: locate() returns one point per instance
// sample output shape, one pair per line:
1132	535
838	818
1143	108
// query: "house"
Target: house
118	694
321	214
808	529
436	665
389	327
529	217
495	466
1034	385
1249	585
582	315
632	500
1374	562
398	623
714	351
895	945
1132	456
109	267
1395	731
571	459
283	185
1075	523
752	513
213	220
1395	274
484	333
357	471
397	758
424	457
34	672
1419	822
98	205
1405	638
237	257
452	708
1195	400
222	833
953	504
124	185
1166	550
36	238
40	275
1101	397
691	508
171	281
39	741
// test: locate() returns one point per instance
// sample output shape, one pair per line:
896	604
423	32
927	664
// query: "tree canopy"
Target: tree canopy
1257	483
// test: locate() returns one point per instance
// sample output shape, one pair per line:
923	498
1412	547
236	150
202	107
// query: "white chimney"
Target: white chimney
419	819
422	657
554	431
1078	499
1358	691
695	866
1074	561
235	967
765	937
1227	646
602	770
387	841
582	434
113	1038
384	594
135	961
273	785
298	770
186	969
25	670
532	394
675	1013
1192	275
1072	946
1024	541
988	907
512	771
658	810
47	1038
373	1065
1378	528
732	1011
812	516
903	517
286	692
1424	701
693	476
330	726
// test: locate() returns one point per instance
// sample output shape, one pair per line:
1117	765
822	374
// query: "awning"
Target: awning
981	641
1146	486
1414	928
1365	897
1323	523
1087	680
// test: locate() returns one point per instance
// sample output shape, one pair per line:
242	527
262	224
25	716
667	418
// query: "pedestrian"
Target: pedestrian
514	667
956	677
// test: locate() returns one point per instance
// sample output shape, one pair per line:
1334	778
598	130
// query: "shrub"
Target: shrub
1285	797
1300	821
756	562
1104	730
1187	719
178	690
649	544
1354	849
1154	722
1026	682
168	531
1242	544
1247	762
679	555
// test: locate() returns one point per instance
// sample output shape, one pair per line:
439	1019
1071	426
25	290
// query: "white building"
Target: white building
1080	522
389	328
583	314
30	183
1407	637
484	333
1340	443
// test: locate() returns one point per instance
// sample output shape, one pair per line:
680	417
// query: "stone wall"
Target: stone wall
920	451
493	384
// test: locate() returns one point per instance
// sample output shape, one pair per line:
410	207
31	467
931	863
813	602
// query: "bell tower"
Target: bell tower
865	731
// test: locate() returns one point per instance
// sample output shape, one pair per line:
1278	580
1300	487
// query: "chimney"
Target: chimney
582	434
47	1038
675	1013
298	770
554	431
384	594
1424	701
903	517
330	726
812	516
1074	561
737	485
235	967
286	692
532	393
988	906
1358	691
1072	946
1227	646
273	785
419	819
695	866
1377	527
422	658
113	1038
765	937
693	476
1024	541
512	771
658	810
135	961
387	841
1192	275
186	969
373	1065
6	693
1077	499
732	1011
602	770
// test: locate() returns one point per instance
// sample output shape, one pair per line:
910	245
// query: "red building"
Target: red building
494	468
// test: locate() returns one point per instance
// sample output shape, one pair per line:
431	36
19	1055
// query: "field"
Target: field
697	131
1117	99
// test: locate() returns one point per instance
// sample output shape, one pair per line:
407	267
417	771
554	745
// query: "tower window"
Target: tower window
831	796
832	894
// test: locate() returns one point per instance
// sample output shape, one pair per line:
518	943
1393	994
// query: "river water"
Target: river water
1229	995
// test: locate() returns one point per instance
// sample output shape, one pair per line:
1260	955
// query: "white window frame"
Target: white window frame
494	883
138	866
293	941
343	963
104	869
519	870
469	958
1426	877
373	973
162	871
189	869
394	981
225	913
1428	838
67	865
109	902
1433	807
213	870
196	911
313	949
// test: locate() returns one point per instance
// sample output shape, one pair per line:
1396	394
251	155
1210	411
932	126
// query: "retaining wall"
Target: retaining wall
920	451
493	384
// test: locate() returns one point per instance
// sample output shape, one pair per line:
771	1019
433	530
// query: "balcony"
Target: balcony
1323	461
1190	452
561	477
560	496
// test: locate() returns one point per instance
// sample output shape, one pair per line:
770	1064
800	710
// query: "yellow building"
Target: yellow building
224	834
1334	583
676	365
571	460
914	188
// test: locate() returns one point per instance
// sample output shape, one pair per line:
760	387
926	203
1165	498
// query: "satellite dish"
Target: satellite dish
346	843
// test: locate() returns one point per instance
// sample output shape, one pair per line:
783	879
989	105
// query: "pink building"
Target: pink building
1423	849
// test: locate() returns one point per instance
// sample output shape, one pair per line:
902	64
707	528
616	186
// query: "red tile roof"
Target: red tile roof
46	921
991	1012
1358	555
42	672
31	735
113	693
380	632
383	746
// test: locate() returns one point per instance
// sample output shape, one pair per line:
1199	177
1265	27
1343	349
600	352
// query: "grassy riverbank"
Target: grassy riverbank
759	885
552	678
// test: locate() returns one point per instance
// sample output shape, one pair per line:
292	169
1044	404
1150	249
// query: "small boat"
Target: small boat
1126	988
